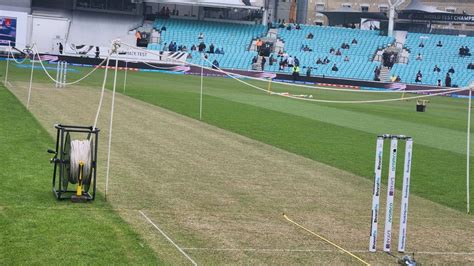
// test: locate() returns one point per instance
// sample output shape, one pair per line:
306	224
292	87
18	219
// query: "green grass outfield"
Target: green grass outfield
37	229
340	135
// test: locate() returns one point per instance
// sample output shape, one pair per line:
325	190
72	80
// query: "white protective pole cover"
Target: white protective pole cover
390	195
376	195
402	236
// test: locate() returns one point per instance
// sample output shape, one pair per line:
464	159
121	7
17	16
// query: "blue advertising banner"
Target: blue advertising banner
7	31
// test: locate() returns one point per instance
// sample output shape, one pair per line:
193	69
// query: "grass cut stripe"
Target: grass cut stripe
37	234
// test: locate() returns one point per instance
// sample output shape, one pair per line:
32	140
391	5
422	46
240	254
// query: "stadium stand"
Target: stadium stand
355	62
234	38
360	55
444	57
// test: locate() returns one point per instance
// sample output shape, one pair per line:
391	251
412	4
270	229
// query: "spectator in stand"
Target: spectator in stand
288	27
419	57
393	78
421	45
319	62
201	47
218	51
326	60
201	37
163	28
215	64
264	60
270	60
377	73
470	66
447	80
184	48
338	52
398	79
308	71
439	44
439	83
451	70
211	48
334	68
259	44
298	27
222	50
297	61
281	65
418	77
165	47
296	73
138	36
254	60
354	41
346	59
310	36
193	48
332	50
291	61
464	51
97	52
436	69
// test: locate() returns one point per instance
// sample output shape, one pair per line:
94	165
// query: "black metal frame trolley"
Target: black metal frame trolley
62	160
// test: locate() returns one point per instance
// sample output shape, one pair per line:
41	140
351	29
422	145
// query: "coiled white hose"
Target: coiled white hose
81	151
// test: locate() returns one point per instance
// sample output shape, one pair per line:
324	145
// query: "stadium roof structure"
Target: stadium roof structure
416	6
346	15
248	4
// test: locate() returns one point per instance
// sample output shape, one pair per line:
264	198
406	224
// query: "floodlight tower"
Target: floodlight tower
391	18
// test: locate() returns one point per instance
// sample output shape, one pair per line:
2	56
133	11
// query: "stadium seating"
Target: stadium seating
234	38
445	57
360	65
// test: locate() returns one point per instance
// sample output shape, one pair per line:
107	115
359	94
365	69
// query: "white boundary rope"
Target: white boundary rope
168	238
231	75
104	82
297	85
74	82
157	67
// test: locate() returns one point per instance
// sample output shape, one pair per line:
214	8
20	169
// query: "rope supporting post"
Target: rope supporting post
125	77
468	153
31	82
202	83
8	63
112	108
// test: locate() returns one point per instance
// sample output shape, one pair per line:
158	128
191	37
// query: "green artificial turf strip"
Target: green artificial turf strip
341	135
35	227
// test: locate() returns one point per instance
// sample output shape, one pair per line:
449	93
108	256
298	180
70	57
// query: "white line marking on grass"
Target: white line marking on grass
168	238
319	250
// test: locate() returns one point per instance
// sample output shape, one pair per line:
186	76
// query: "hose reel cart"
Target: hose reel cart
75	162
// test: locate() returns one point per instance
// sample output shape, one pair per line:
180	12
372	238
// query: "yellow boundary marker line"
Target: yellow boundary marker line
326	240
